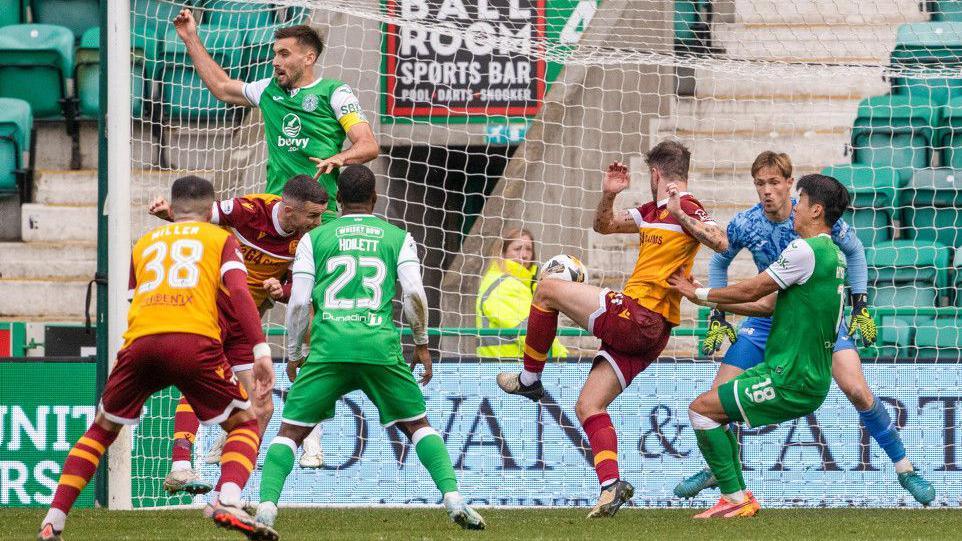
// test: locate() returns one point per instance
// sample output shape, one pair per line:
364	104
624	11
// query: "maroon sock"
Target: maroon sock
186	426
80	466
604	446
542	328
239	456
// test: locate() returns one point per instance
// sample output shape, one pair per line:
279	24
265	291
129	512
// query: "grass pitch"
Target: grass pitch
522	524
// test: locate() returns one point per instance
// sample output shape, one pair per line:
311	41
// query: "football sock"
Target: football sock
604	446
542	328
277	466
876	419
78	469
720	449
186	425
238	459
434	455
736	456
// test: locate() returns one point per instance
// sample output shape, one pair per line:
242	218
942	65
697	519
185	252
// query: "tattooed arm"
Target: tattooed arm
696	221
607	220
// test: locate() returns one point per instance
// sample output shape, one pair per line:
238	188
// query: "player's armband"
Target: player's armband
347	108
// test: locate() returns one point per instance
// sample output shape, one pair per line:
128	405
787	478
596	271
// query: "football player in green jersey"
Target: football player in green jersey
802	291
306	118
347	270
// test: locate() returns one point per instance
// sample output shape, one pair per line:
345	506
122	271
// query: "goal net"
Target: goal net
498	114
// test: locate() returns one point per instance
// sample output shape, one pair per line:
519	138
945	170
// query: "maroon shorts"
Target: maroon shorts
237	347
194	364
632	336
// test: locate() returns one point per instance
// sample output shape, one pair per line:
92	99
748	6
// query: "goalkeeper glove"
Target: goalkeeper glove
718	330
861	320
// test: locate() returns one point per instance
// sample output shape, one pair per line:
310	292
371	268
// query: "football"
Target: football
564	267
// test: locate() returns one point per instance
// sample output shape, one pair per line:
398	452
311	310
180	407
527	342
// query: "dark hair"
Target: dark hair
670	158
828	192
304	34
355	184
303	188
191	188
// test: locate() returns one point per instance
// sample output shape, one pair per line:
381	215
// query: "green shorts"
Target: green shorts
752	398
319	385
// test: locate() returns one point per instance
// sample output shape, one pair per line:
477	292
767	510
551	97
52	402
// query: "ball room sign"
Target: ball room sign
467	57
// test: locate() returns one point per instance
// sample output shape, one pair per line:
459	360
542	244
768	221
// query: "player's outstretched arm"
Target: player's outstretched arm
749	290
707	233
415	304
607	220
220	85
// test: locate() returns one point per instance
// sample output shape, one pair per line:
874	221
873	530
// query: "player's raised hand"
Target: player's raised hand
682	283
674	198
274	288
263	377
160	208
616	178
327	165
185	24
422	356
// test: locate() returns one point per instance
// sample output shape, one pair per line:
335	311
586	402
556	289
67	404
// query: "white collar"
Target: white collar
277	221
663	202
357	215
294	91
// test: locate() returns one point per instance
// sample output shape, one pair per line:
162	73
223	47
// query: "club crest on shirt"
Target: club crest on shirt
310	103
663	214
292	247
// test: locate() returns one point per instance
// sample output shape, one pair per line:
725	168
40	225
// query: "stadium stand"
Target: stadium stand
238	15
76	15
928	45
897	131
873	191
930	206
16	126
12	12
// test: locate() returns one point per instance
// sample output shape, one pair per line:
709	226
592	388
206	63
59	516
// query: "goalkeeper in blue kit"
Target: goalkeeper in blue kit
765	230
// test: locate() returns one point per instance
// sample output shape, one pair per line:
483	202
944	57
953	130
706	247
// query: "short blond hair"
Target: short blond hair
778	160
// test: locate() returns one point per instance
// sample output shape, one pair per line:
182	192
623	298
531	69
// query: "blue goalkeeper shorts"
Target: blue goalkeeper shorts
749	350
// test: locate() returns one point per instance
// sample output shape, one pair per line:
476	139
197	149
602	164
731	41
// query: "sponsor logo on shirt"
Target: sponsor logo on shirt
291	127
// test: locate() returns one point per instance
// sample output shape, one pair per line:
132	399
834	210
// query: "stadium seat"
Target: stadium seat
77	15
297	15
950	144
35	62
906	273
245	15
87	77
692	30
183	94
16	125
12	12
940	339
937	45
930	206
258	53
895	336
946	10
873	191
897	132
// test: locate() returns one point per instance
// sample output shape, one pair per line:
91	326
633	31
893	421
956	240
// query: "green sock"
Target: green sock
716	447
277	466
736	458
434	455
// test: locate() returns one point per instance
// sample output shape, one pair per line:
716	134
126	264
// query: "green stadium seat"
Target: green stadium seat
244	15
692	30
906	273
77	15
934	44
951	139
940	338
258	53
873	191
35	62
896	132
895	336
184	96
946	10
930	206
150	20
87	77
16	125
957	286
12	12
297	15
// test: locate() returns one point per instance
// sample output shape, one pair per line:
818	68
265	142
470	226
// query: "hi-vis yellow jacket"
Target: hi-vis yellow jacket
504	299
